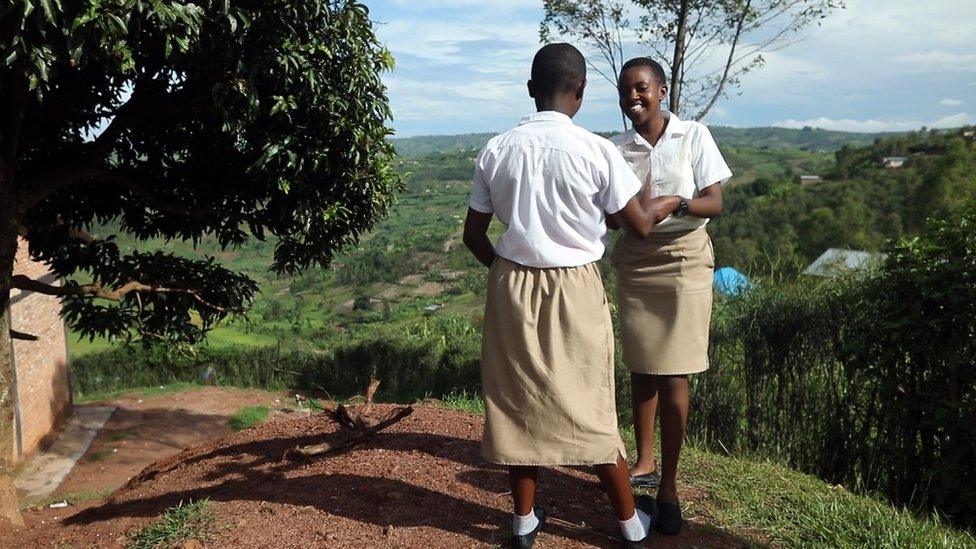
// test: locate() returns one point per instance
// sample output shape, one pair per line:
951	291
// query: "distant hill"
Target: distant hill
812	139
423	145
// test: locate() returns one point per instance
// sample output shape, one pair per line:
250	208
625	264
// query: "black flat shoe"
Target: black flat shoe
647	480
526	541
669	518
649	507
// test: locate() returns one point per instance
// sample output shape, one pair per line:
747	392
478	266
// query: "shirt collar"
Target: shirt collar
546	116
676	128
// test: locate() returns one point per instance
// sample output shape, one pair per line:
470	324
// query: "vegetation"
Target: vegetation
764	501
839	378
785	508
101	455
99	395
177	524
763	138
76	497
685	36
866	380
774	226
435	357
174	120
248	416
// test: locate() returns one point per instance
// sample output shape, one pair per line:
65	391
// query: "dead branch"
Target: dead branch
370	393
354	440
344	418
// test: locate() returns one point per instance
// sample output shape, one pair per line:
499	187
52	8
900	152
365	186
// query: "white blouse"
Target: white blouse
551	183
684	161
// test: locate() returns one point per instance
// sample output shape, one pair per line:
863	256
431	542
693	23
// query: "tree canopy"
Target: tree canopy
177	119
231	118
708	45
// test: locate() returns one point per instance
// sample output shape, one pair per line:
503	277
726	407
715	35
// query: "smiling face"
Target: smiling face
641	94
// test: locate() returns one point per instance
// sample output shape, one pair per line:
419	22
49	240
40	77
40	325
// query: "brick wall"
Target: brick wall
43	390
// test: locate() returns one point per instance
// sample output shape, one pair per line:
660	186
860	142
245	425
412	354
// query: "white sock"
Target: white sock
523	525
636	527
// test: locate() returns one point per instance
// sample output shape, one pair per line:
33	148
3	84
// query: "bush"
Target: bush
867	380
434	357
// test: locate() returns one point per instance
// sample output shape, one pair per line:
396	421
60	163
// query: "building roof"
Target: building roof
837	260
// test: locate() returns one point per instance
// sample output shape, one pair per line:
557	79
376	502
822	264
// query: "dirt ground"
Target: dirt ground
143	430
419	484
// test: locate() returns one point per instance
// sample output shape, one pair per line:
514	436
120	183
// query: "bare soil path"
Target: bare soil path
419	484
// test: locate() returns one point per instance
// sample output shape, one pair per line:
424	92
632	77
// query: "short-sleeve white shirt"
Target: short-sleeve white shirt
684	161
551	184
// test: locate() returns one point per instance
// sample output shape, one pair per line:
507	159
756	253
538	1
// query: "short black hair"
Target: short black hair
557	68
656	68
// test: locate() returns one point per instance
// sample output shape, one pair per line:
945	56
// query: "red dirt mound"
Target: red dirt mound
420	483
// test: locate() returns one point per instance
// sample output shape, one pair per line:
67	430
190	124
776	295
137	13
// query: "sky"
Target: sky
878	65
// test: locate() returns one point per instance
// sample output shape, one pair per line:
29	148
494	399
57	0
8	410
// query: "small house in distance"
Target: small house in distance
838	260
893	161
810	179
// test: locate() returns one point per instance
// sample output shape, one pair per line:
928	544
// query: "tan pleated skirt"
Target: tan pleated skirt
547	368
664	298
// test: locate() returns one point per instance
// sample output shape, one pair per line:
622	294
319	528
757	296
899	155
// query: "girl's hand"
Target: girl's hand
663	206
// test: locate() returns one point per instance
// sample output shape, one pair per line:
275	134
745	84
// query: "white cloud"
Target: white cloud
717	113
940	60
873	125
462	66
953	121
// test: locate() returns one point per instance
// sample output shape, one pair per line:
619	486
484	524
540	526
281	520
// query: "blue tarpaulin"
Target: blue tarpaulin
729	281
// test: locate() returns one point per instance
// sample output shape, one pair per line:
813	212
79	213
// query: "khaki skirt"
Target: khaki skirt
664	297
547	368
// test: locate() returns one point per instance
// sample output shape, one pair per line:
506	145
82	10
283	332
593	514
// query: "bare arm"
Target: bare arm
476	236
708	203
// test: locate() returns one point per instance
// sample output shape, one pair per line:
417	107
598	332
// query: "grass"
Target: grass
101	455
169	388
775	505
464	401
248	416
177	524
787	508
75	497
121	435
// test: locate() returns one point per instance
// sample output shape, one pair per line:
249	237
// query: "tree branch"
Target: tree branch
88	162
57	179
11	118
14	334
719	90
96	289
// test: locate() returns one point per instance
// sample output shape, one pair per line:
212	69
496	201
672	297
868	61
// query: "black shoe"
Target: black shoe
669	518
649	507
647	480
526	541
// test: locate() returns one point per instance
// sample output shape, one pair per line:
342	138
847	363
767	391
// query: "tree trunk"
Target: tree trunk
674	103
9	507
